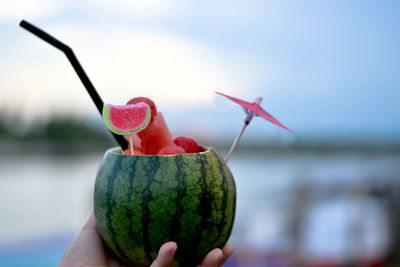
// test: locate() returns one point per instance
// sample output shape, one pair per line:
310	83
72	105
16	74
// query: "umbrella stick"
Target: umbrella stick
235	142
131	144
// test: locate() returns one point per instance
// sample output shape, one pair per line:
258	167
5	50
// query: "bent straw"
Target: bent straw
78	69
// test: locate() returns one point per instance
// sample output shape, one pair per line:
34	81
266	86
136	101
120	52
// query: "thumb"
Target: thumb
165	255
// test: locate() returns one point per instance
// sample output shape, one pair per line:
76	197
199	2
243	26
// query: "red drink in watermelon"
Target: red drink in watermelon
176	191
146	199
155	136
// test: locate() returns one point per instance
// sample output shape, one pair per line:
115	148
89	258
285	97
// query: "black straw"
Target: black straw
78	69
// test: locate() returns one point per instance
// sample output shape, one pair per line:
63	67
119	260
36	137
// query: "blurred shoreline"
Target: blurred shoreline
71	136
9	148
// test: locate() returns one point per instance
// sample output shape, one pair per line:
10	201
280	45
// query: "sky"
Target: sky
324	68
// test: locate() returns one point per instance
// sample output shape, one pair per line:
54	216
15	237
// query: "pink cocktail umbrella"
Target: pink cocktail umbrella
251	109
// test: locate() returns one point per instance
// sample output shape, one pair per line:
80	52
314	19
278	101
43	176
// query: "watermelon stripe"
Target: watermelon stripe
121	200
217	242
100	209
128	211
135	243
189	218
163	206
150	171
232	194
111	203
229	210
216	177
180	188
203	210
221	203
196	237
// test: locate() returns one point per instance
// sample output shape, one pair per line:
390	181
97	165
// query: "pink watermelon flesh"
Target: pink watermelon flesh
136	152
156	139
126	119
155	136
136	142
171	150
146	100
187	143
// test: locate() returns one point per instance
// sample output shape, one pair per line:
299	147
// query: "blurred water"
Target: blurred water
40	195
43	197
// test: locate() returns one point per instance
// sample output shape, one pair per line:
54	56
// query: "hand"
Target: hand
88	250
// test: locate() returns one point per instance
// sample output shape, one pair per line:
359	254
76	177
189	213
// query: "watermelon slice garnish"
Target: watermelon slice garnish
146	100
126	119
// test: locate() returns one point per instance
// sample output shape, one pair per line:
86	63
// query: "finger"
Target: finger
227	251
87	248
213	258
165	255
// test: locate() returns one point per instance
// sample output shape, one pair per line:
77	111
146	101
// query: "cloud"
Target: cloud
134	8
227	11
207	11
12	11
174	71
15	10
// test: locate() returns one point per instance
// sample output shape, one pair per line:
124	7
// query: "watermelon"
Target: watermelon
156	136
187	143
171	150
129	152
141	202
136	142
126	119
146	100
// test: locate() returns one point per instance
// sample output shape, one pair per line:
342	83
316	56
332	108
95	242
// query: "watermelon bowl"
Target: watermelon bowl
143	201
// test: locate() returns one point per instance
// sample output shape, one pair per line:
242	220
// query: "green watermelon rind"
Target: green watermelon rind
106	113
141	202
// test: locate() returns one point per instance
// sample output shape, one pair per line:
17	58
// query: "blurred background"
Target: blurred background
327	195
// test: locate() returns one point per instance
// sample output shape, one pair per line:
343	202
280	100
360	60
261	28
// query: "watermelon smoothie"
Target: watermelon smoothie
184	192
173	190
155	136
